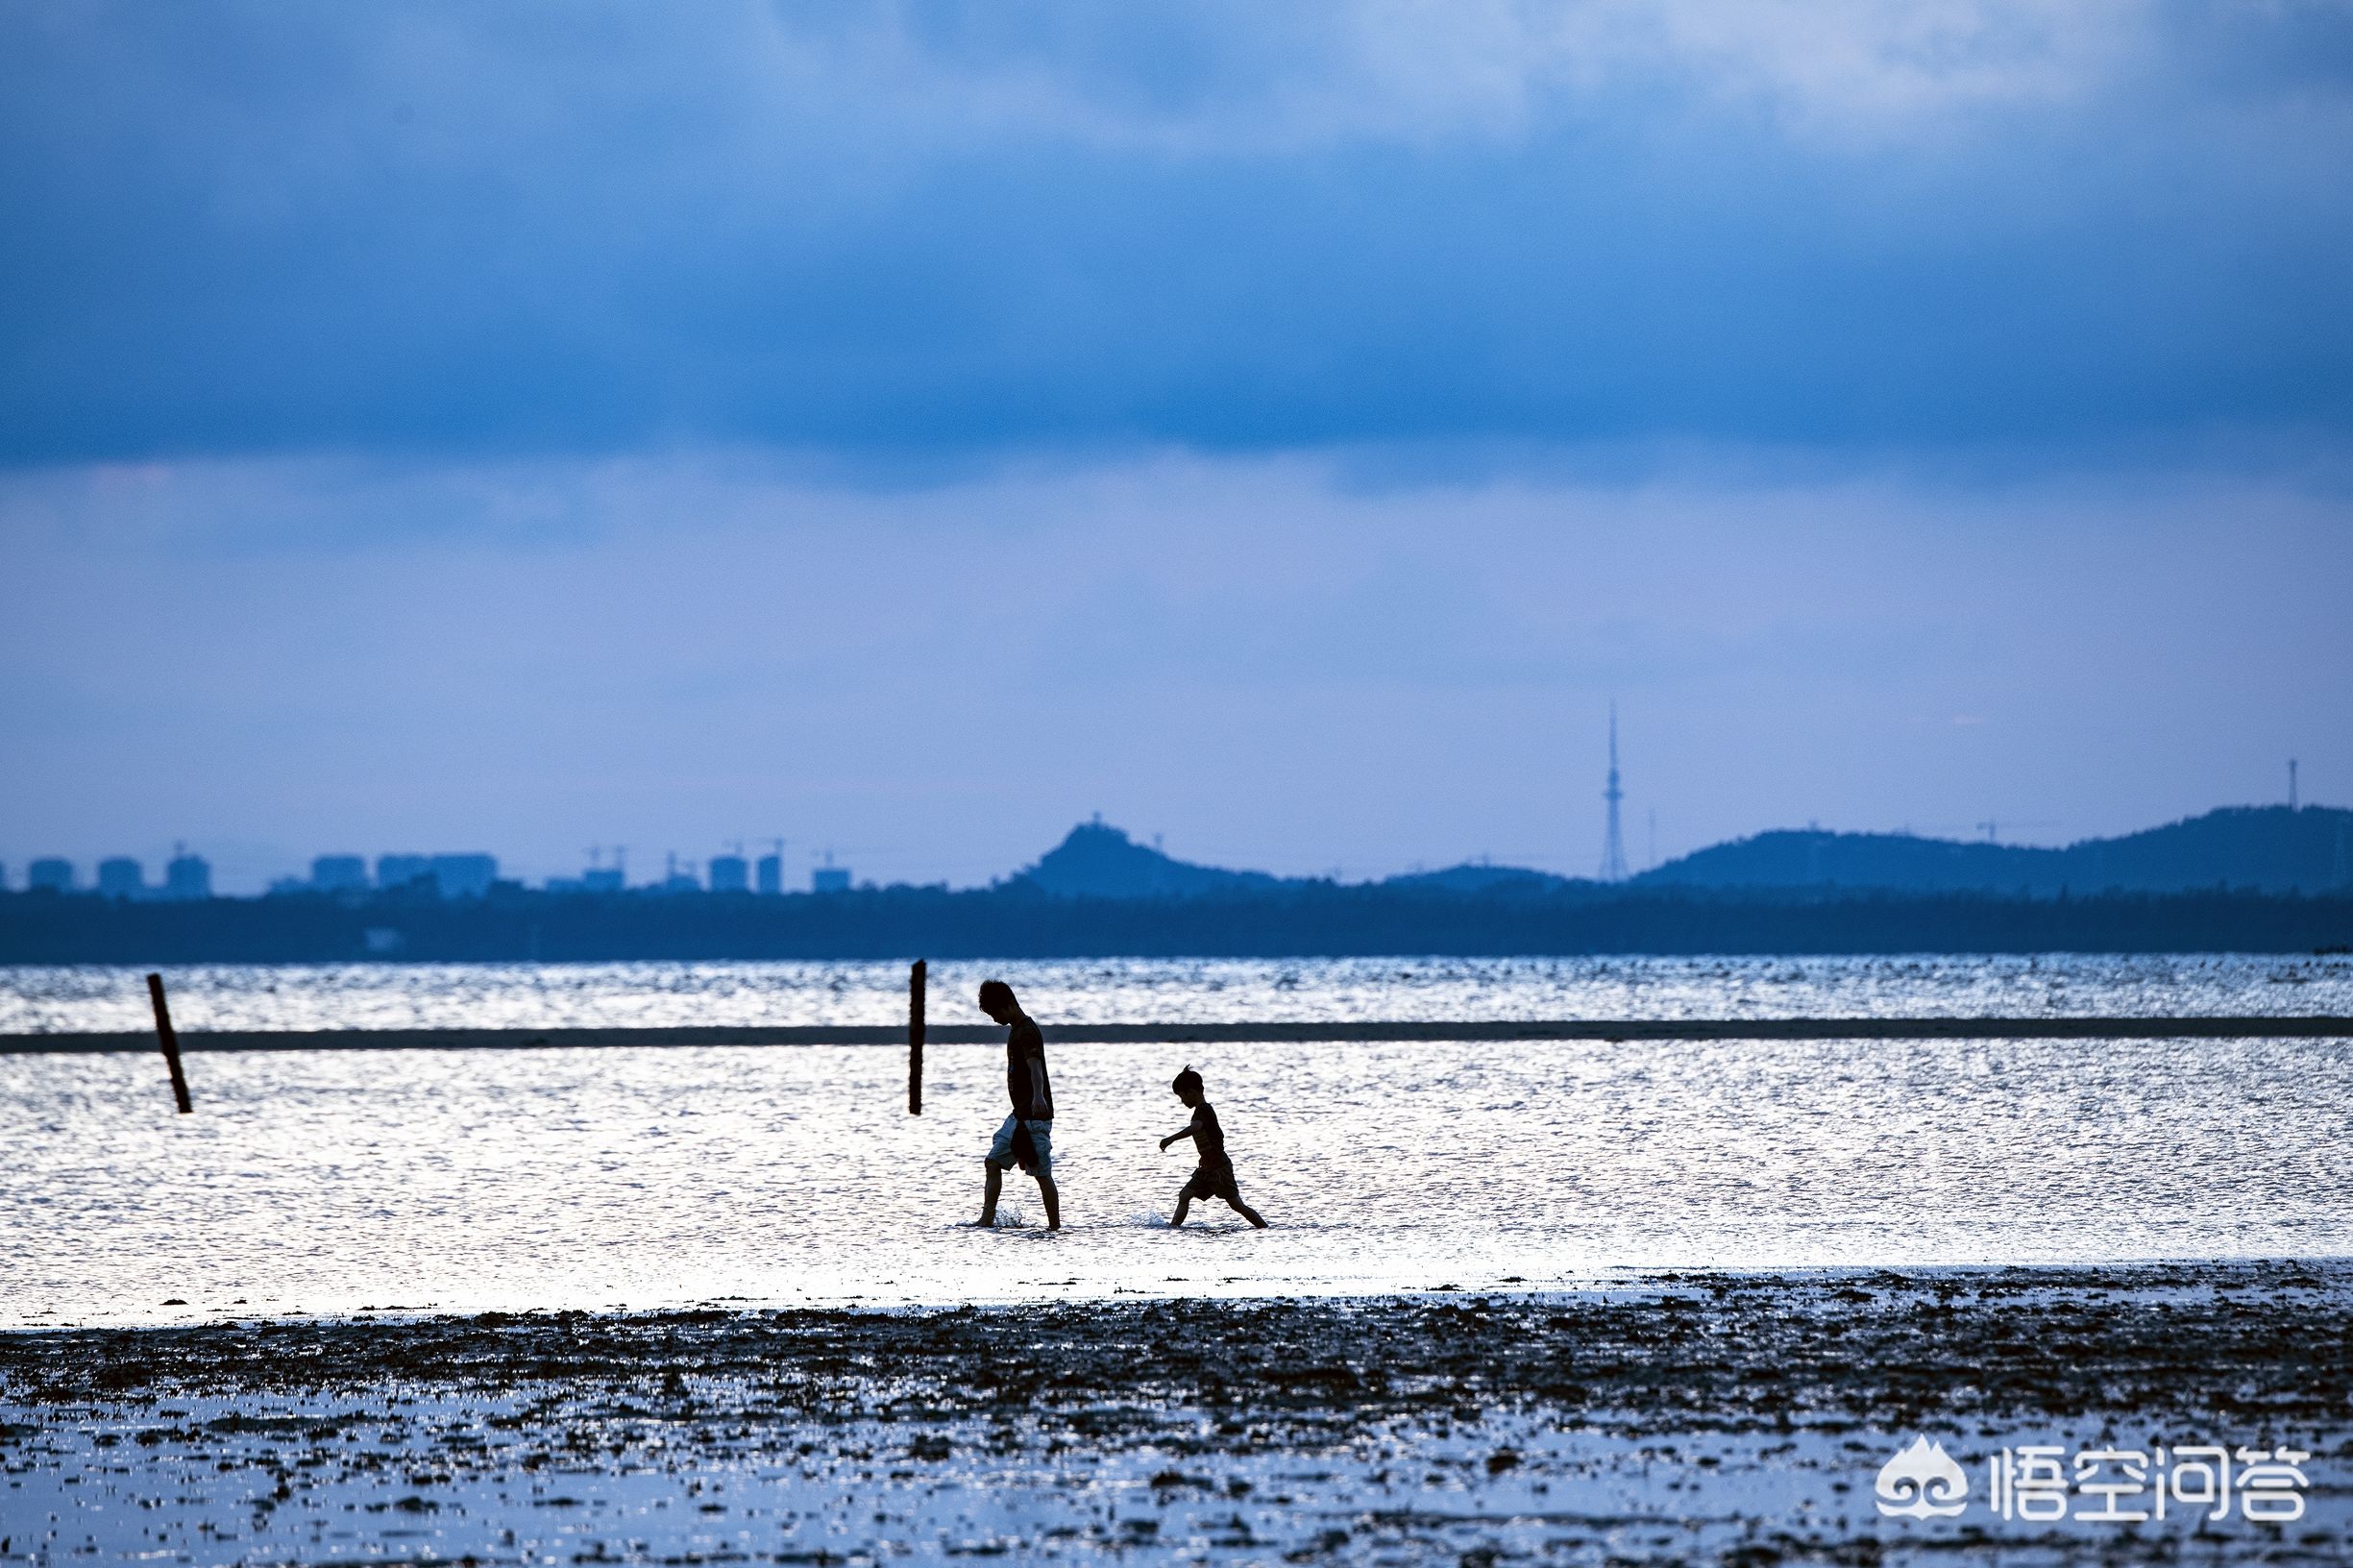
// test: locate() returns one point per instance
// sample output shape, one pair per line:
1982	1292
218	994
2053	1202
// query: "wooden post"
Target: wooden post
914	1039
170	1043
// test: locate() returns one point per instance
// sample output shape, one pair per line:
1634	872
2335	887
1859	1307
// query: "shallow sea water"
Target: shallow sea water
328	1180
38	999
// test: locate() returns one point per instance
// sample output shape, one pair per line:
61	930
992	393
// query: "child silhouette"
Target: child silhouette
1213	1176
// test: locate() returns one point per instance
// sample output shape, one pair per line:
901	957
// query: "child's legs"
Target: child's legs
1233	1195
1193	1187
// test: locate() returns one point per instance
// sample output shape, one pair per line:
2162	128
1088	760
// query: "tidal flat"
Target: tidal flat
1665	1418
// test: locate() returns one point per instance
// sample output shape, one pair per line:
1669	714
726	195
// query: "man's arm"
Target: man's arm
1174	1136
1036	1088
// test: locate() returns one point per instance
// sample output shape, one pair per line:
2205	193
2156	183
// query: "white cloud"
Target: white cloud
1248	78
898	77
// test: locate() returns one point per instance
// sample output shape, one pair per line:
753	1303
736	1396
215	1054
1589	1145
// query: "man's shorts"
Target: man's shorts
1215	1182
1040	1138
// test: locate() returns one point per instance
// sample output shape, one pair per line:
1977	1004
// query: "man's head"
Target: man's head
1188	1087
996	1000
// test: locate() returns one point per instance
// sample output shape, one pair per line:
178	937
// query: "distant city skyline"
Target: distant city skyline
470	873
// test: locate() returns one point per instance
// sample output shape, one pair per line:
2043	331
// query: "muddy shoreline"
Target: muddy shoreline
2262	1341
1676	1415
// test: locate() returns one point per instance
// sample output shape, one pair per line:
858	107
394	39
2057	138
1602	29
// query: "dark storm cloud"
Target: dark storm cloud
947	228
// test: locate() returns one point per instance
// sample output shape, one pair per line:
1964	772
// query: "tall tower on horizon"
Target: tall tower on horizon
1613	844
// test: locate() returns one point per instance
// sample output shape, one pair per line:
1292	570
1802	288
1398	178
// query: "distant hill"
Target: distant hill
2267	849
1479	880
1098	861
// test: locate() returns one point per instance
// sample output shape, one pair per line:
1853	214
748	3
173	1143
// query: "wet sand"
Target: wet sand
1679	1417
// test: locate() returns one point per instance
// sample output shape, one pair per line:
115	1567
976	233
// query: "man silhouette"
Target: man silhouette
1032	1121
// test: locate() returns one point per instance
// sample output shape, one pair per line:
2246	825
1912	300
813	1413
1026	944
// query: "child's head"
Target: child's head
1188	1087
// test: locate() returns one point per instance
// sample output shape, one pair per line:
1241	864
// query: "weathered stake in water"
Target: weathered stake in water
914	1038
170	1043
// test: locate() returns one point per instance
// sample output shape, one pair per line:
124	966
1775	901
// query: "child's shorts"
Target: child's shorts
1215	1182
1040	1138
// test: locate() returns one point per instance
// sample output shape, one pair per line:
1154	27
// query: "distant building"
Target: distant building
121	877
398	870
447	876
730	875
188	876
50	873
464	877
829	879
598	878
772	875
339	873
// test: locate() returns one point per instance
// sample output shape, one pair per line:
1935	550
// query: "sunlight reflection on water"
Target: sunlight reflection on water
326	1181
35	999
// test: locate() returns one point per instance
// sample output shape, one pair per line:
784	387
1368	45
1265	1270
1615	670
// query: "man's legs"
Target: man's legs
1041	1136
1042	1145
999	1157
1046	1189
996	1184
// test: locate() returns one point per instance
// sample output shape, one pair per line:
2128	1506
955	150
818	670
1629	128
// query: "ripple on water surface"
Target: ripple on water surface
86	999
333	1180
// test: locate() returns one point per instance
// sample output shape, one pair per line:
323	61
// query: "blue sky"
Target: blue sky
910	428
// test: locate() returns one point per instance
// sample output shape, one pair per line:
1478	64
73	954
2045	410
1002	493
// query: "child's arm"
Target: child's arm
1174	1136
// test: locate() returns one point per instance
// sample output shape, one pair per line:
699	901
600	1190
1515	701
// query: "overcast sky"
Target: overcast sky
1281	428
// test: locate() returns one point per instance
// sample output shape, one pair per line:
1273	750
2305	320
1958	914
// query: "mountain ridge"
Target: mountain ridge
2266	849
